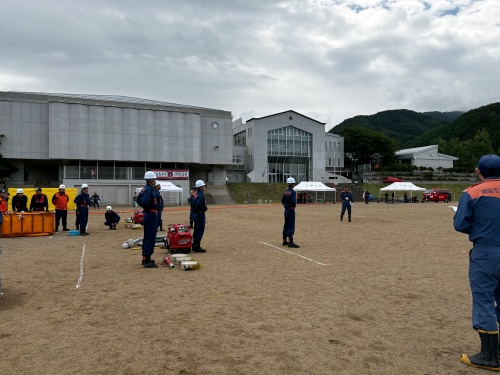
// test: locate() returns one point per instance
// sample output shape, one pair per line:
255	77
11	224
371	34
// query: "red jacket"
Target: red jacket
60	201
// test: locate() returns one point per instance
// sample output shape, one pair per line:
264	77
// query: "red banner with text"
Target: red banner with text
171	174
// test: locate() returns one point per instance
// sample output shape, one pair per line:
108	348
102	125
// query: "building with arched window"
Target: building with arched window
286	144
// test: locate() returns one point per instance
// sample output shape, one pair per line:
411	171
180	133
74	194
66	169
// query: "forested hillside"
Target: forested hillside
402	125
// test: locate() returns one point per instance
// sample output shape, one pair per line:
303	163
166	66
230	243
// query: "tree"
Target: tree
6	168
468	151
366	146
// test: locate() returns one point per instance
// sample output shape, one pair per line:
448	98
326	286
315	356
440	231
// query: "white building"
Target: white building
110	141
427	156
282	145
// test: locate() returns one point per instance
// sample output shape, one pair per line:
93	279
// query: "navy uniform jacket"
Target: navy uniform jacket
346	196
477	213
198	202
289	199
82	199
112	217
159	201
19	203
149	199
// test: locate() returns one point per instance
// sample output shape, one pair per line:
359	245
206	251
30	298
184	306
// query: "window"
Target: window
238	159
240	139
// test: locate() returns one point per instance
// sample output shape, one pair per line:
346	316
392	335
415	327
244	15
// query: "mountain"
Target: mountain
444	116
466	126
401	124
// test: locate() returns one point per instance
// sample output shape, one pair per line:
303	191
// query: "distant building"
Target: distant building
427	156
282	145
109	142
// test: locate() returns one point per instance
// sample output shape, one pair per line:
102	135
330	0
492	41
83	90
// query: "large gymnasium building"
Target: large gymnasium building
110	141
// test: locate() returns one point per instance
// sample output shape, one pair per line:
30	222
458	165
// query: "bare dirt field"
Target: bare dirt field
385	294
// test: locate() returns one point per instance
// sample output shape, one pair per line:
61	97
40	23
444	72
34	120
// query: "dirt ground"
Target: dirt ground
385	294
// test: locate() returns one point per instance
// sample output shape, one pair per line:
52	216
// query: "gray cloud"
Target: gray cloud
327	59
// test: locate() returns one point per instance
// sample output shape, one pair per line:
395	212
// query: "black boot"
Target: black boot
198	249
161	227
488	357
293	244
285	242
349	217
341	217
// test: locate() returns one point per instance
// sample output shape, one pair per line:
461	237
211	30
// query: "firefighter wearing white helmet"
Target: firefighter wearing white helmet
199	206
82	201
147	200
112	218
161	205
60	201
289	201
20	201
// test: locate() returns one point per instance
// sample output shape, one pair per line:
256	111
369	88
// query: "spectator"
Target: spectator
39	201
95	200
20	201
60	200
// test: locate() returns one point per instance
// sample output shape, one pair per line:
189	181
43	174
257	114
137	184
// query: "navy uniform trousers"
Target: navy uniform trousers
484	279
84	218
150	230
199	227
289	227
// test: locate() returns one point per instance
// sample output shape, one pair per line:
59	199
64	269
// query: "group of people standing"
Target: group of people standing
151	201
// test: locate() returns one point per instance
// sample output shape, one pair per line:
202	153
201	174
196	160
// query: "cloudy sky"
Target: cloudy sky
327	59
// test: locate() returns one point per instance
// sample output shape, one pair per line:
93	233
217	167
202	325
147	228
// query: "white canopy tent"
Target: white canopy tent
171	194
314	186
401	186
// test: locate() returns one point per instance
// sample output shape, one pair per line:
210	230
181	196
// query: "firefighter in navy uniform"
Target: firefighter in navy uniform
199	207
347	201
161	204
112	218
191	204
477	215
147	200
39	201
289	202
82	201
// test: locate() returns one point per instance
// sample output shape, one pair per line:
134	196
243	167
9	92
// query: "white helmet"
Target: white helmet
150	175
290	180
85	186
19	191
199	183
109	208
62	187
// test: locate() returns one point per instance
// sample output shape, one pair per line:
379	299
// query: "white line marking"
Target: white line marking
301	256
78	283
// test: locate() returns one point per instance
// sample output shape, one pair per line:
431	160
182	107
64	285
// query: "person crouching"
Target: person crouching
112	218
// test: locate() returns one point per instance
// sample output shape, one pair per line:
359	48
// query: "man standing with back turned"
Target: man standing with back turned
147	200
199	208
478	216
289	202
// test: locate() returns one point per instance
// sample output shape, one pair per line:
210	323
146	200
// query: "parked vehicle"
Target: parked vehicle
390	179
436	195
